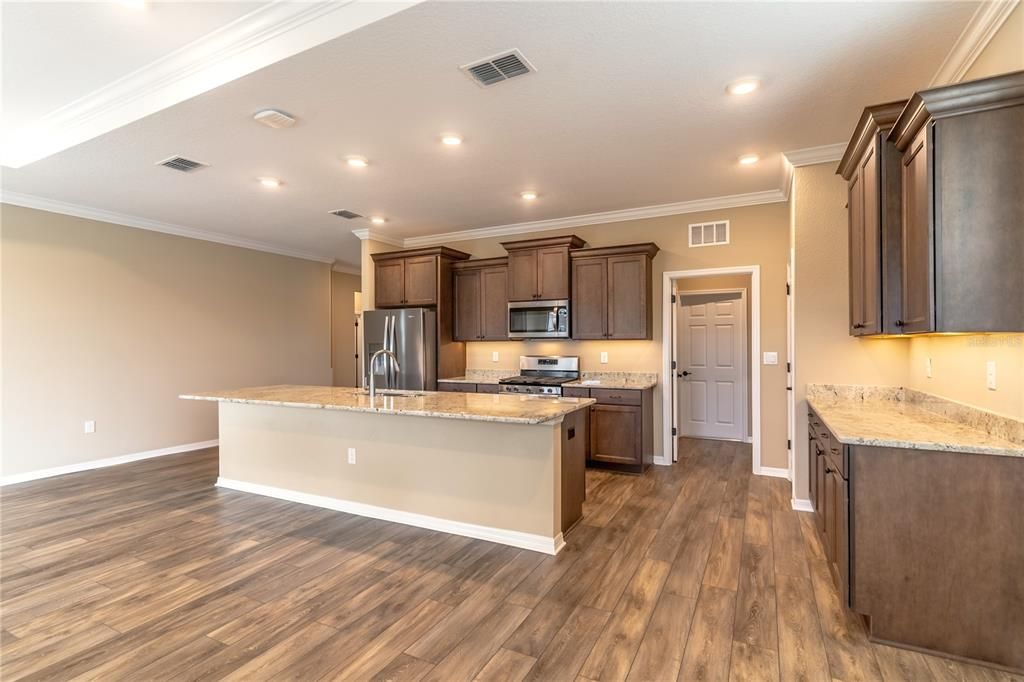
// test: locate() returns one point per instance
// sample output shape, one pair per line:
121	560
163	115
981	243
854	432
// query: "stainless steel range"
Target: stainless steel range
542	375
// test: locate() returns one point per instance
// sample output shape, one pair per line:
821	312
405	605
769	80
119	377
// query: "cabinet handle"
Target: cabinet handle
899	323
829	470
859	326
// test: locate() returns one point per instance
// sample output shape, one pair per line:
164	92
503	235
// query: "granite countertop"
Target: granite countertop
891	421
480	376
503	408
616	380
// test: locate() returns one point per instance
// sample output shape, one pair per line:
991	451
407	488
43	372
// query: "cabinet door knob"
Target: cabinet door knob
859	326
899	323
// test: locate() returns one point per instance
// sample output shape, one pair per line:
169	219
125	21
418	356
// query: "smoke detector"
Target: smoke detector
498	68
272	118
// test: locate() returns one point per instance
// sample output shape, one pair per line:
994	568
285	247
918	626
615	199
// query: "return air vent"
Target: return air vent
180	163
709	234
498	68
345	213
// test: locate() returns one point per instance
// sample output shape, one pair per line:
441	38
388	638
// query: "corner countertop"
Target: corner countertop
501	408
892	422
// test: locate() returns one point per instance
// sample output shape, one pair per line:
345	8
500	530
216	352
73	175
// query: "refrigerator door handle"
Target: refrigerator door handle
390	360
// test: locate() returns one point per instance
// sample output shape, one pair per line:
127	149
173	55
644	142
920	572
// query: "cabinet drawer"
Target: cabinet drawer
449	387
574	392
487	388
607	396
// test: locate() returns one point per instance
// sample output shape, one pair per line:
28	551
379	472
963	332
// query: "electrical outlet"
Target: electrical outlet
494	356
990	375
89	426
771	358
351	455
604	358
928	368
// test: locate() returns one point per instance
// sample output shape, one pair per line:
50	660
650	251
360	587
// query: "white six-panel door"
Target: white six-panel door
711	373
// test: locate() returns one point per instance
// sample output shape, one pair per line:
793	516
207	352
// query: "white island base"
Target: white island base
518	484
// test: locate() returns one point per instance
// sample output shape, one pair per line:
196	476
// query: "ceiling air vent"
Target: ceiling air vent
180	163
498	68
344	213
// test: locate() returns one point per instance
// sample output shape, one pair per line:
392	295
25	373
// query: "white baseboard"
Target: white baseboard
530	541
662	461
802	505
106	462
773	471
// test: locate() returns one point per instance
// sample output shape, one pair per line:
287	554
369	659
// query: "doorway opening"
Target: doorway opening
712	367
720	394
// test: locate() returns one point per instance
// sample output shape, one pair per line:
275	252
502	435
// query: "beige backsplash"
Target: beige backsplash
623	356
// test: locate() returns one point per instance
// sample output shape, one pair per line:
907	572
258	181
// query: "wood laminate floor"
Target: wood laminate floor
696	572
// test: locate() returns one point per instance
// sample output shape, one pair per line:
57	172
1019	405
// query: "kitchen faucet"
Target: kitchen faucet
373	375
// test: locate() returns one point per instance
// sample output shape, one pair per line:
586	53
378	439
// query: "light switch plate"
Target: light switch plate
351	455
928	368
604	358
494	356
990	375
771	357
89	426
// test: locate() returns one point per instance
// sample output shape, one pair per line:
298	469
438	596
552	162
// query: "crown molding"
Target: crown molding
346	269
983	25
89	213
810	156
366	233
266	35
658	211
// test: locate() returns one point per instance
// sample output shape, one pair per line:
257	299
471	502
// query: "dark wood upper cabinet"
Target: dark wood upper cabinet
389	283
589	307
871	167
962	209
414	277
538	269
611	292
481	300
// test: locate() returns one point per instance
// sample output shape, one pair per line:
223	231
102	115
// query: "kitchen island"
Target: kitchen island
504	468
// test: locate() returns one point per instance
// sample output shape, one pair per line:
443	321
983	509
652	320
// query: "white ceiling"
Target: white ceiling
49	60
627	108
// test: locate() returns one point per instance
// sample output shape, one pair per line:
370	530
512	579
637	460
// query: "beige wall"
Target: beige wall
111	323
726	282
759	236
1005	52
824	350
343	344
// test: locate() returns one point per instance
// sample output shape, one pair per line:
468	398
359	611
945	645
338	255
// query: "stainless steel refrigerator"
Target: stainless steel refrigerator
411	333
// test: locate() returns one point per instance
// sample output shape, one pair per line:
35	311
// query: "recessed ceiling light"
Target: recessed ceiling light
357	161
743	86
272	183
528	195
377	220
134	4
451	139
749	159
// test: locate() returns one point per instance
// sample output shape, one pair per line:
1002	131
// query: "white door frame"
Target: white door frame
670	442
743	359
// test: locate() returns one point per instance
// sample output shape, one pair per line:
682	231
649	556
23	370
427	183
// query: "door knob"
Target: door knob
685	373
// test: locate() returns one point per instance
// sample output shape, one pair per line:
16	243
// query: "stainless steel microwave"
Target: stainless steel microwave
538	320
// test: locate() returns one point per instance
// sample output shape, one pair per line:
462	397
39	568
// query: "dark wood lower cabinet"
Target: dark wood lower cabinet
621	428
927	545
461	387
